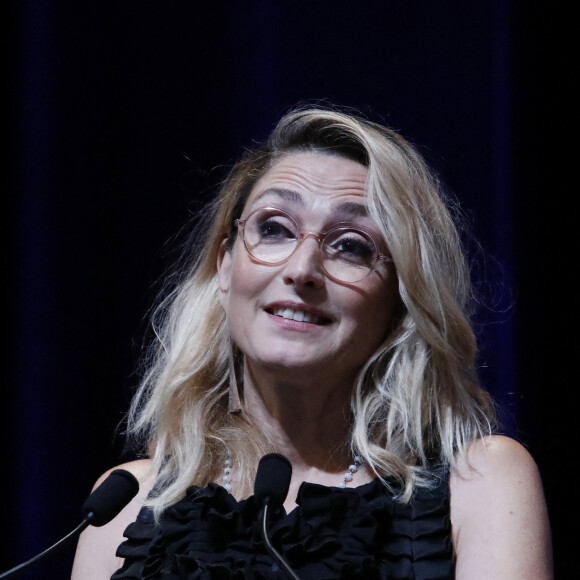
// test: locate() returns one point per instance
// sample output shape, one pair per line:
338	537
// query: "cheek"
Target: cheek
246	282
375	314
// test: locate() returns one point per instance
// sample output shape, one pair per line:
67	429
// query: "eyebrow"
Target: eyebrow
348	208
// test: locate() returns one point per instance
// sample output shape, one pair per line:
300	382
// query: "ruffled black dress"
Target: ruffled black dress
334	533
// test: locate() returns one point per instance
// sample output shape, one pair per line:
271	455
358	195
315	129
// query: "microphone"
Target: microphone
272	479
110	497
116	491
270	490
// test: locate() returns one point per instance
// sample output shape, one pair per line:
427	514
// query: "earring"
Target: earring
234	399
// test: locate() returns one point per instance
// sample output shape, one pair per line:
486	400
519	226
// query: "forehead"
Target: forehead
310	178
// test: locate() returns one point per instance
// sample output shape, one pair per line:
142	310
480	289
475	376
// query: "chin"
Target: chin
298	365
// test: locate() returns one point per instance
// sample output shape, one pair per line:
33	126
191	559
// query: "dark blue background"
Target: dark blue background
124	115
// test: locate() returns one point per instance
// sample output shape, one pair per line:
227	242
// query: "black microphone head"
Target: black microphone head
272	479
118	489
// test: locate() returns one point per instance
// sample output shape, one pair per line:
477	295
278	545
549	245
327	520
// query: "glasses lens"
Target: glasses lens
349	254
271	236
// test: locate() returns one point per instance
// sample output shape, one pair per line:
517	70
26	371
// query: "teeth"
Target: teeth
297	315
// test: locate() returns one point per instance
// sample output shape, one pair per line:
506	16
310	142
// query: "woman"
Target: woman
325	318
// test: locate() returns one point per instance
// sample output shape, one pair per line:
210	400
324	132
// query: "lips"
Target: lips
299	314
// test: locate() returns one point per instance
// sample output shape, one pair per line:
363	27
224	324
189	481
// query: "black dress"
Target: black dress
333	533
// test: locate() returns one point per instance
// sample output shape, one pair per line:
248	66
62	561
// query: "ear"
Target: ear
224	267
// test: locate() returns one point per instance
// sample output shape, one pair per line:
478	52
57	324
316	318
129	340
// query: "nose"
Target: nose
304	267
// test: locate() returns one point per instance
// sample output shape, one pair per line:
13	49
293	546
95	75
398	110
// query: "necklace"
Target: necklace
226	478
346	478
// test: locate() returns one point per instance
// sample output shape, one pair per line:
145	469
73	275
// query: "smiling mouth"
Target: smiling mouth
298	315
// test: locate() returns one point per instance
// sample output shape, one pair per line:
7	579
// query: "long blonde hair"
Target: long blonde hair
416	403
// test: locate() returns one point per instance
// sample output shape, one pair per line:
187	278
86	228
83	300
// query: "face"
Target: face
291	320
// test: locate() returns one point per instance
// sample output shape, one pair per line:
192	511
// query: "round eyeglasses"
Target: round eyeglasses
271	236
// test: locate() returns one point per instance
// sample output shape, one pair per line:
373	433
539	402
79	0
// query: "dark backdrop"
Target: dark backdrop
124	115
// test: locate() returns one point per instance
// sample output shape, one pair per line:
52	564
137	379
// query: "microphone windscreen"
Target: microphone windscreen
272	479
118	489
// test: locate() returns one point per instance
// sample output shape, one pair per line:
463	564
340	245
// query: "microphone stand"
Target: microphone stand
104	503
271	548
21	567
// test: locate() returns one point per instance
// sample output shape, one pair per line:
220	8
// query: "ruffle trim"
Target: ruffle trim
333	533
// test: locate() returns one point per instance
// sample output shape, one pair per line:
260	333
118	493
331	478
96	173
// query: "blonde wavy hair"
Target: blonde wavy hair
417	403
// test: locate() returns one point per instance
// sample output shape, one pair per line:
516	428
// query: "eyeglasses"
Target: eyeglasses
271	236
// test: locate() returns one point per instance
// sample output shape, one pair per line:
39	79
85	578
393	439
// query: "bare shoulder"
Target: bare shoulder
498	513
491	456
140	468
95	557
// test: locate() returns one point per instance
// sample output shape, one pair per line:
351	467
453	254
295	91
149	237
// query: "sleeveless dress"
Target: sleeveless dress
358	533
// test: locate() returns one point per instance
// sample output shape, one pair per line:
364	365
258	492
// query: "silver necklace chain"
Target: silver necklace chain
346	478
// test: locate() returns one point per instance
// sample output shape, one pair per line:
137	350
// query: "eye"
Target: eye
352	246
273	228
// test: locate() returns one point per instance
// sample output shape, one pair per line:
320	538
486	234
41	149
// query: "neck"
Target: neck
307	422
